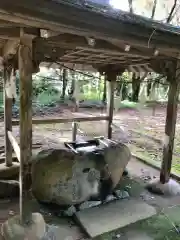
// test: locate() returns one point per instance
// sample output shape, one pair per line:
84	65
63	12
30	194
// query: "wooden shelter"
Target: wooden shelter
57	31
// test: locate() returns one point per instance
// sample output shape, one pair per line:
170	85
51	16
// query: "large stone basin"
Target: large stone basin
64	177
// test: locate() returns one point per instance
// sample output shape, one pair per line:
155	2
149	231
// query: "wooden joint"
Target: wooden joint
10	49
111	71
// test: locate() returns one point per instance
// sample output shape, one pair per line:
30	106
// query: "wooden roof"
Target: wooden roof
74	32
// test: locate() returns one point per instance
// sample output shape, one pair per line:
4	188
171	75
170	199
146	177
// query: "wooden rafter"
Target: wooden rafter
56	16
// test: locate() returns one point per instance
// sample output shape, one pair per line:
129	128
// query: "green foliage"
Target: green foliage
42	85
48	85
44	98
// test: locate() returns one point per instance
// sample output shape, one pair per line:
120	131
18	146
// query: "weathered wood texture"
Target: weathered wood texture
74	130
170	126
14	144
25	72
111	80
7	120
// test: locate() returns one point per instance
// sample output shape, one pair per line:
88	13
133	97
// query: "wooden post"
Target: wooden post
170	126
25	73
111	79
74	124
7	120
76	109
74	131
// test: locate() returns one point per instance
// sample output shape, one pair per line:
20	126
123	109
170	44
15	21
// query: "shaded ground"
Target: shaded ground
157	227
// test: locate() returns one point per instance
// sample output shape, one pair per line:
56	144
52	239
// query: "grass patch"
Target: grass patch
157	227
46	98
154	159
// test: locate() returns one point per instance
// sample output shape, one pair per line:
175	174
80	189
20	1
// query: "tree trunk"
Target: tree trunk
149	85
135	88
65	80
72	88
154	9
130	6
104	98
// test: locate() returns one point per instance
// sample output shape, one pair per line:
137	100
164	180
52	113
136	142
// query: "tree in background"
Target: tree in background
64	84
136	83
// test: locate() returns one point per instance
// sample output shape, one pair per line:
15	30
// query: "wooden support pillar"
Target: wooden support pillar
7	119
170	125
74	131
25	72
111	79
76	109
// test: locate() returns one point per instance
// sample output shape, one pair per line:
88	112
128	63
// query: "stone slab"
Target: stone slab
99	220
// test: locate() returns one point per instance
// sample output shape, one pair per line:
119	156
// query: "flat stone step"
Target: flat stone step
106	218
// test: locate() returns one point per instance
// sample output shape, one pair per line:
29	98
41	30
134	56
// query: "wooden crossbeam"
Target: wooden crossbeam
64	120
15	145
13	32
70	41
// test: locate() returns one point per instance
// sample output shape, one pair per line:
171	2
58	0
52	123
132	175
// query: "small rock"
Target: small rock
110	198
146	197
118	236
89	204
70	211
50	233
146	178
11	213
122	194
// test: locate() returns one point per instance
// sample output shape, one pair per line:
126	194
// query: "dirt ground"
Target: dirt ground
139	128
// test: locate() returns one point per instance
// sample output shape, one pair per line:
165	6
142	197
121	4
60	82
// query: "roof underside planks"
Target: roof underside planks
120	38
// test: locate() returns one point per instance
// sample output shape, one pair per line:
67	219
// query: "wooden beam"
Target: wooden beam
171	116
7	120
15	145
13	32
64	120
25	72
71	41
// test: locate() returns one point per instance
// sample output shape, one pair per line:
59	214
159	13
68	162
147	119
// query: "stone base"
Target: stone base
172	188
35	229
